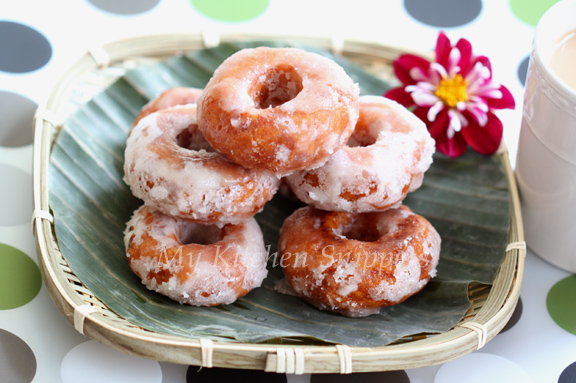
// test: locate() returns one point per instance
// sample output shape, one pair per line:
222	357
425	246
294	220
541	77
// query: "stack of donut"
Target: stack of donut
194	239
355	248
206	161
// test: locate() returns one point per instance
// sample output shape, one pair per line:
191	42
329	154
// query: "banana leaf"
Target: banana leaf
466	199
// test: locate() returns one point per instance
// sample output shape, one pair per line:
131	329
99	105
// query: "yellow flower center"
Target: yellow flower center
452	90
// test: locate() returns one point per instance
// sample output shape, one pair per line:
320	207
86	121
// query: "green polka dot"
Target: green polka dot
530	11
231	10
561	303
20	279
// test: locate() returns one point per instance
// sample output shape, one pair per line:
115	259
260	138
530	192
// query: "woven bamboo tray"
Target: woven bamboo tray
492	306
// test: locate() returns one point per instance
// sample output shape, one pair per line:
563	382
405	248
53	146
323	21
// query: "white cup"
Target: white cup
546	160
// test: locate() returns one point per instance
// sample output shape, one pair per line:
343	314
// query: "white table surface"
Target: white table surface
40	39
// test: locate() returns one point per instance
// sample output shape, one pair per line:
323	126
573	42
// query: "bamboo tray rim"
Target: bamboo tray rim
92	318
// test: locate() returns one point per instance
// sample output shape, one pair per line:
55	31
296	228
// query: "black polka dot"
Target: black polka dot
365	377
515	316
17	119
568	375
17	361
125	7
23	49
225	375
523	70
444	13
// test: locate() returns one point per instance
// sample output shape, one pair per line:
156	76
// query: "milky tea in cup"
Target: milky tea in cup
563	60
546	159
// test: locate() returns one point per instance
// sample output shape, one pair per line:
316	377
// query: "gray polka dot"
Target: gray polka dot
17	119
399	376
17	361
568	375
222	375
15	196
444	13
23	49
125	7
523	70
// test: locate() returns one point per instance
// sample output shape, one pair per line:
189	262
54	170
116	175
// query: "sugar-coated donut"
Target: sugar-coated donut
179	95
195	264
279	109
384	160
172	168
355	264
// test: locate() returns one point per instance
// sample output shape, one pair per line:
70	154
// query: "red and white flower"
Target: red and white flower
455	96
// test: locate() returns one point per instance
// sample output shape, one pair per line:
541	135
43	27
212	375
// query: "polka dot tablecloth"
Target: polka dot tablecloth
40	39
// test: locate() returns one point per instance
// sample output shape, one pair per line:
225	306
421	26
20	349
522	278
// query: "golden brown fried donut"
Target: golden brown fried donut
384	160
279	109
355	264
200	265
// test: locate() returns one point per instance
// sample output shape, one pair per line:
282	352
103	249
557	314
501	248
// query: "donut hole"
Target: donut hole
276	87
194	233
367	129
192	139
361	138
362	228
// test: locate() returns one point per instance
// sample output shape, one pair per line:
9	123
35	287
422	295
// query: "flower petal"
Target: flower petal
478	77
434	127
422	114
424	98
486	139
490	93
439	72
453	147
400	96
485	62
465	49
443	48
453	66
405	63
455	123
505	102
479	114
434	110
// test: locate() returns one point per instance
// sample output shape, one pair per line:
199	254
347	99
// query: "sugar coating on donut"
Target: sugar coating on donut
169	98
355	264
282	109
384	160
200	265
171	167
